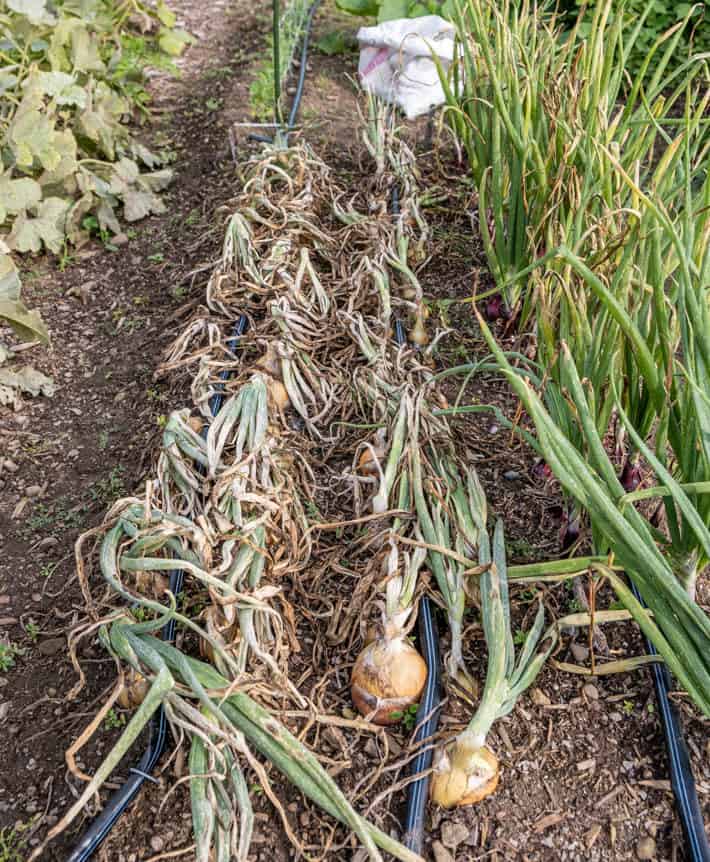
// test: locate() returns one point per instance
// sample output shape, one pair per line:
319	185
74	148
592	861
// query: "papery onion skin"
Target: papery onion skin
388	677
279	394
134	690
464	776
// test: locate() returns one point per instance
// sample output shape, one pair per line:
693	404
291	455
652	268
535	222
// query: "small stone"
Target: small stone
52	646
36	597
120	239
10	466
579	651
48	542
539	698
33	490
646	848
157	843
441	854
511	475
453	834
590	691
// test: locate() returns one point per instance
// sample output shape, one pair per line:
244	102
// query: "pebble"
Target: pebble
441	854
157	843
453	834
646	848
511	475
579	651
33	490
36	597
120	239
52	646
591	691
48	542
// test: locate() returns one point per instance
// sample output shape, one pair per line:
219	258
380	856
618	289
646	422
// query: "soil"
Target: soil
585	774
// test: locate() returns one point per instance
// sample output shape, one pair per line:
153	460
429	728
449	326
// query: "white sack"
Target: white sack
396	61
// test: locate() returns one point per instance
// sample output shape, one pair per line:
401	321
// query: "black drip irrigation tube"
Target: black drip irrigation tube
117	803
428	710
682	780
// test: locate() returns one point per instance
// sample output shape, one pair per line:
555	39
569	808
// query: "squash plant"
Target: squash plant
388	10
71	72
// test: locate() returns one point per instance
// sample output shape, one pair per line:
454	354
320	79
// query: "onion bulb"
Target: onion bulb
134	690
270	362
278	394
388	677
367	462
464	774
151	584
197	423
418	334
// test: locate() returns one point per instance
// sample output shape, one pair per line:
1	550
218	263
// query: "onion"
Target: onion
388	677
197	423
367	462
464	774
418	334
270	362
134	690
151	584
278	394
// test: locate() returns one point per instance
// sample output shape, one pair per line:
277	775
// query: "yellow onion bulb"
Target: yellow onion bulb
418	334
464	775
387	678
151	584
134	690
278	394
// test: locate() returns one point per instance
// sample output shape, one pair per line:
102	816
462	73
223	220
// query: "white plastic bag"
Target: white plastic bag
396	61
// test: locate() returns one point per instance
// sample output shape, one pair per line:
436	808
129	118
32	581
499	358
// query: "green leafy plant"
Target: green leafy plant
388	10
8	653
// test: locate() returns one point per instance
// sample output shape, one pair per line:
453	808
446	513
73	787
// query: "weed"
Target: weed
408	717
48	569
105	491
32	631
628	706
8	653
113	720
12	844
520	637
103	440
158	257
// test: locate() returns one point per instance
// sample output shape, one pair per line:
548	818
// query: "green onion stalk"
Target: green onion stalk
389	674
225	725
680	630
466	769
533	111
451	511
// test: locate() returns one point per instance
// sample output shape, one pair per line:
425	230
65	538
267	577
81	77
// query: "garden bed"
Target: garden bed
585	774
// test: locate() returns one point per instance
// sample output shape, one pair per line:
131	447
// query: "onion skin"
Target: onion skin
278	394
134	690
387	678
464	775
